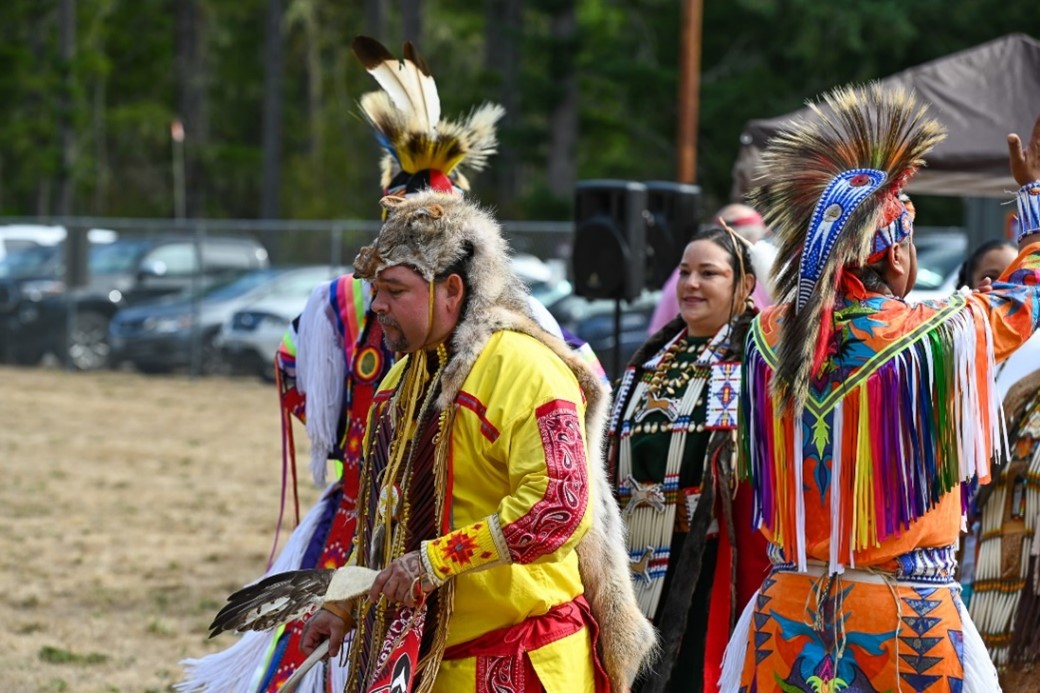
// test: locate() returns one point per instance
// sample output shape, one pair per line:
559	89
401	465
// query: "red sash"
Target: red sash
501	662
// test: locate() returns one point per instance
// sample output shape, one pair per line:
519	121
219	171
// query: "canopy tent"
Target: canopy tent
980	95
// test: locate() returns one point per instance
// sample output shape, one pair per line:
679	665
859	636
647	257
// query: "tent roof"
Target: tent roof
980	95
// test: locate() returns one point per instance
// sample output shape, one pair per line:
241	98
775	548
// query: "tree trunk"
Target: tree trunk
274	68
315	81
102	174
563	121
66	127
411	21
503	30
375	20
191	101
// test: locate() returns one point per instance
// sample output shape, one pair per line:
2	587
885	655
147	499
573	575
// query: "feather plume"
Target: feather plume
426	93
407	81
406	118
850	127
275	600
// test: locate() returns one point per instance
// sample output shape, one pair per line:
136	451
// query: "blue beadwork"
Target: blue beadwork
840	198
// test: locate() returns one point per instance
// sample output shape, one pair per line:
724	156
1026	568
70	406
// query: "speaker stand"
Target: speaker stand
617	338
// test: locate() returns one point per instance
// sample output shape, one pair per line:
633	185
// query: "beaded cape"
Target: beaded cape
717	485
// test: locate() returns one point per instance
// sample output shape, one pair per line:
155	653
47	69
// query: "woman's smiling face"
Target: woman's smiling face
705	288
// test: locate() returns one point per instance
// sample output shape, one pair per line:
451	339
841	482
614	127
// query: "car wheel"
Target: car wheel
268	375
26	357
88	341
211	358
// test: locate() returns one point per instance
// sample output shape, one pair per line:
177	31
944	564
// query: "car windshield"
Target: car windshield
937	259
30	261
119	257
241	285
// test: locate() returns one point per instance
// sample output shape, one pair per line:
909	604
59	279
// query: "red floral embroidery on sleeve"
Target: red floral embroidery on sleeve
554	518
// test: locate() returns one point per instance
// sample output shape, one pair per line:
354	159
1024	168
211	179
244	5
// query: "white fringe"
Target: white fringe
320	371
837	529
799	496
980	676
736	650
236	669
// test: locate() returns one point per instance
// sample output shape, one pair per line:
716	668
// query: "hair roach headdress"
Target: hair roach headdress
831	187
422	150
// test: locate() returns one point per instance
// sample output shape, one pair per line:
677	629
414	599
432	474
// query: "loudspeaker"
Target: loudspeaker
673	209
609	253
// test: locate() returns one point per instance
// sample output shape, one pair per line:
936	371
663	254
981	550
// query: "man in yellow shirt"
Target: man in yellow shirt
483	500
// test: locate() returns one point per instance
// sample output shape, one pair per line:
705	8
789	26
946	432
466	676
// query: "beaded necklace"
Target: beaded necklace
651	508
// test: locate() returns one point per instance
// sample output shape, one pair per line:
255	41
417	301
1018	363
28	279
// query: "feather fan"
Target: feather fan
287	596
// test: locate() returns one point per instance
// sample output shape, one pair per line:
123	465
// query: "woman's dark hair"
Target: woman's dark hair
969	266
740	261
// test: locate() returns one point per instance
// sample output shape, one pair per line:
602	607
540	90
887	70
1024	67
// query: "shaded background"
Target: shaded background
267	90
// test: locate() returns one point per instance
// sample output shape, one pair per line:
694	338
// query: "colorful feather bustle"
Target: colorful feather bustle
916	418
406	119
873	127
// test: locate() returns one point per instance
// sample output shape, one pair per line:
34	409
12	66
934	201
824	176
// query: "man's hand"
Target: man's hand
323	624
401	581
1025	163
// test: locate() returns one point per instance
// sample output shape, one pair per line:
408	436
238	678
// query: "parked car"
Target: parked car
940	255
594	321
27	276
164	335
17	237
249	338
46	318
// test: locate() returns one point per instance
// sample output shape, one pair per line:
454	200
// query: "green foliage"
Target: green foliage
759	58
59	655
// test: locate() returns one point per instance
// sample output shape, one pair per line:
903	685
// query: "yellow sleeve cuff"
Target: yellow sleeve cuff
469	548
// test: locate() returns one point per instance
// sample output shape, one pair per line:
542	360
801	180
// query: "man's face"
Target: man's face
402	305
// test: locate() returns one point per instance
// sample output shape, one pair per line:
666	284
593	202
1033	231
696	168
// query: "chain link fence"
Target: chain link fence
58	299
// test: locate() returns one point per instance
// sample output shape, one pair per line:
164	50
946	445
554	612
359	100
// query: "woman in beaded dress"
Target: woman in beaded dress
671	458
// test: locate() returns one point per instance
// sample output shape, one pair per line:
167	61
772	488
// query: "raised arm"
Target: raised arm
1012	303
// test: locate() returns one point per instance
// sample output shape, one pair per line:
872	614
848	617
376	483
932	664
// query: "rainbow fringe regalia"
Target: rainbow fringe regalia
864	418
902	416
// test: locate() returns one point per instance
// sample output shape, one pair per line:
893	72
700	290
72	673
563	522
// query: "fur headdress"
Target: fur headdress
431	232
831	189
422	150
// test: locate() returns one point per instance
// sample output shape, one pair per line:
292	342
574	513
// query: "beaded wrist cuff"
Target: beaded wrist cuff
428	572
1028	209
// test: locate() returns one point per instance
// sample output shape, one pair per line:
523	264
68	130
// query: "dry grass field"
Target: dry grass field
130	507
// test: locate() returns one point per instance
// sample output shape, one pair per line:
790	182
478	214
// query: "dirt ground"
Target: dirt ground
130	507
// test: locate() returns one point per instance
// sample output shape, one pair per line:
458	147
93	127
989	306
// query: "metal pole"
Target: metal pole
196	308
617	339
336	251
689	91
177	135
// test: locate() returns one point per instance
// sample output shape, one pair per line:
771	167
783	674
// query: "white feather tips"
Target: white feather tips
406	81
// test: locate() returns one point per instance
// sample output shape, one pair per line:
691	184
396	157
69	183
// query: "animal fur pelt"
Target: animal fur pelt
872	127
430	232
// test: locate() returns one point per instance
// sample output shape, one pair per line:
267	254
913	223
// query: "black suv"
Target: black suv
38	315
